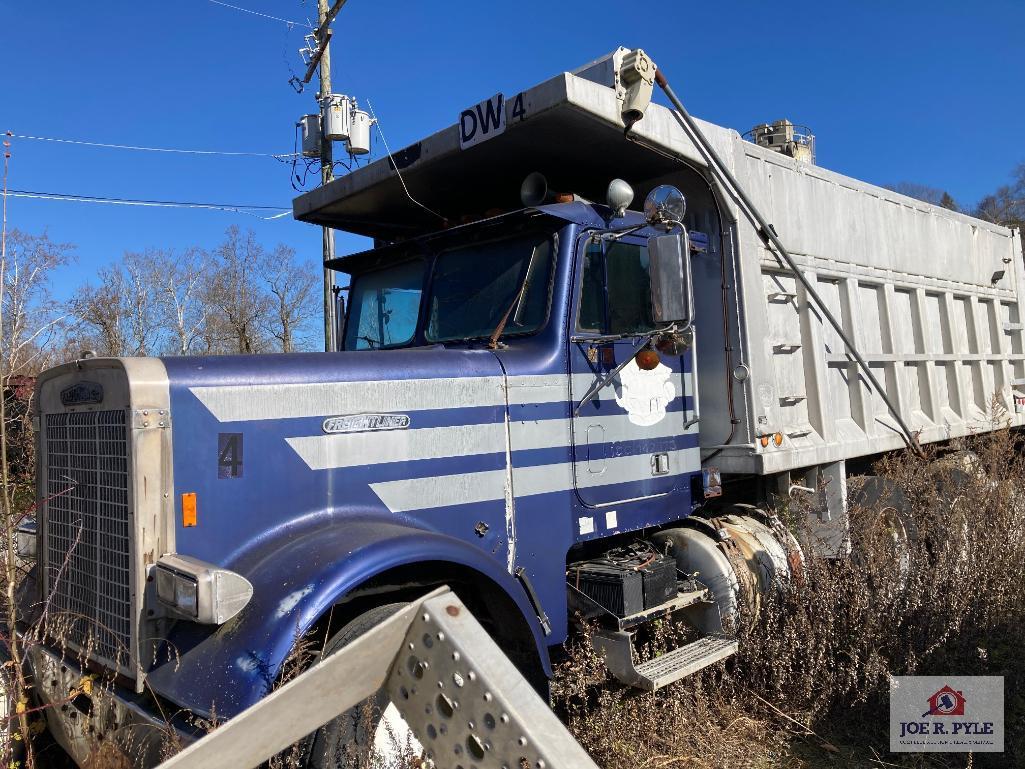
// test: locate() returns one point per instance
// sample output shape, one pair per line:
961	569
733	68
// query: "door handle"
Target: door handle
660	463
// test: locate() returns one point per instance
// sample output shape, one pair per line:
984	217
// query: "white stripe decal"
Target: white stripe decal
525	391
635	467
510	502
552	433
552	388
327	452
542	480
441	491
489	486
241	403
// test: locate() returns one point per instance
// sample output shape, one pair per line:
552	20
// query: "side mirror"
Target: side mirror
672	294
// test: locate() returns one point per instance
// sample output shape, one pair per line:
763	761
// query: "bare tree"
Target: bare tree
31	317
291	288
236	295
100	310
239	298
183	311
121	311
1007	205
926	194
141	297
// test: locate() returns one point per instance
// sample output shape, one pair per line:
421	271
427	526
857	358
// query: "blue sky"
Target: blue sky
928	92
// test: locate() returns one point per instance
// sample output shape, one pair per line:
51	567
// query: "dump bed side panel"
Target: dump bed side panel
931	297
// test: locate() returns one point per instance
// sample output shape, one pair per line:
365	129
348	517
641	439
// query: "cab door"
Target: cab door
628	438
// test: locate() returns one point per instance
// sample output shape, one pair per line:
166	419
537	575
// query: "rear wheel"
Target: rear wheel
881	529
372	733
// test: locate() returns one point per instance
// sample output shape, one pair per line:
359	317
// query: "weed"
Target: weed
934	587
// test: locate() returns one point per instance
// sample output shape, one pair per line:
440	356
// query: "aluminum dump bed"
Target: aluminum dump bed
931	297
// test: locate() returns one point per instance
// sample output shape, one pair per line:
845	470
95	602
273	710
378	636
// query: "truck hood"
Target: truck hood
265	440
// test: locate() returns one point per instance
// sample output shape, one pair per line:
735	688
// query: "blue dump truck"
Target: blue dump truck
596	345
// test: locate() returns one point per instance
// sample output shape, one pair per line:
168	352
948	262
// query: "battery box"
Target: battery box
626	581
618	589
660	582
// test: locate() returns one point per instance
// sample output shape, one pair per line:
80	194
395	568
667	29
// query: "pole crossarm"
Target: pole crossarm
315	59
323	34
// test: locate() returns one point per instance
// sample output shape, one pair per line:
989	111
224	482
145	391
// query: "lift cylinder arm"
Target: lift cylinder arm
729	182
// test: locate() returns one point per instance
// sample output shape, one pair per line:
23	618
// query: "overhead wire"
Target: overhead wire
264	15
231	207
396	166
282	156
248	210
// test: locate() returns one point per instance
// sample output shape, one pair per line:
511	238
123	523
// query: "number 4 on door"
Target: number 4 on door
229	455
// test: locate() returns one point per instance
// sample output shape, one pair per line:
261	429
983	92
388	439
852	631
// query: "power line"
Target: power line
101	199
396	165
105	145
232	207
264	15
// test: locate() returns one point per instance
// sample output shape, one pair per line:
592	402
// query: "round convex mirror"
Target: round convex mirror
665	204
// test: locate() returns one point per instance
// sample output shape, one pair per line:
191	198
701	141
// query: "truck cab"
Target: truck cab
508	400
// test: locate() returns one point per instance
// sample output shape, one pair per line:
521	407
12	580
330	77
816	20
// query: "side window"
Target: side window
623	269
592	291
626	267
384	307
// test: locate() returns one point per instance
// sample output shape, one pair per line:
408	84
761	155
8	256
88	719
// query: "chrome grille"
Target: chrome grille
87	553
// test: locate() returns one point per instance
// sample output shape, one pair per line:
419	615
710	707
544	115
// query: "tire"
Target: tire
881	526
348	742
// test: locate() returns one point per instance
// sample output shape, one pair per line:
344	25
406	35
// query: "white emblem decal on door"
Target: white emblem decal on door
645	395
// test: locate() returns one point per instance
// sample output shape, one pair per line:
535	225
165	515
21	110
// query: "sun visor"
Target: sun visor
568	128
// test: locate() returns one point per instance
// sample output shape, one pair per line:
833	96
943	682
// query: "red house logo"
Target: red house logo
946	702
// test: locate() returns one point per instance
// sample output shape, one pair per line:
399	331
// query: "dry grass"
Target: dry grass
810	685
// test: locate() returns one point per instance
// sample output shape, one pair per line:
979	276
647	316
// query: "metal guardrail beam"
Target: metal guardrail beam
306	703
464	700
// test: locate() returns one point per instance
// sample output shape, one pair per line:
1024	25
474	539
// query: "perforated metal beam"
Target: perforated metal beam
468	704
464	700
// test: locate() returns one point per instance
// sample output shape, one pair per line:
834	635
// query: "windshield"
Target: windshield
472	289
476	286
384	306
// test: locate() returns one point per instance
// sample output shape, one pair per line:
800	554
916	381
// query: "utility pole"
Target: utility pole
3	229
326	170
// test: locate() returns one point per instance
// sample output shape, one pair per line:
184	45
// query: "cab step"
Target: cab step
617	646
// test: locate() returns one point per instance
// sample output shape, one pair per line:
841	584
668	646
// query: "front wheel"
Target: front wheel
371	734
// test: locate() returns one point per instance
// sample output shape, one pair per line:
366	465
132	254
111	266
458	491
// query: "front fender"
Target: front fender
298	574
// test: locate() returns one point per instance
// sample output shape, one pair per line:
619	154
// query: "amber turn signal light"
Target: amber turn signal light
647	359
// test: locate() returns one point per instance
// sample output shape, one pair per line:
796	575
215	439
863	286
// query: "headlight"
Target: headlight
201	592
